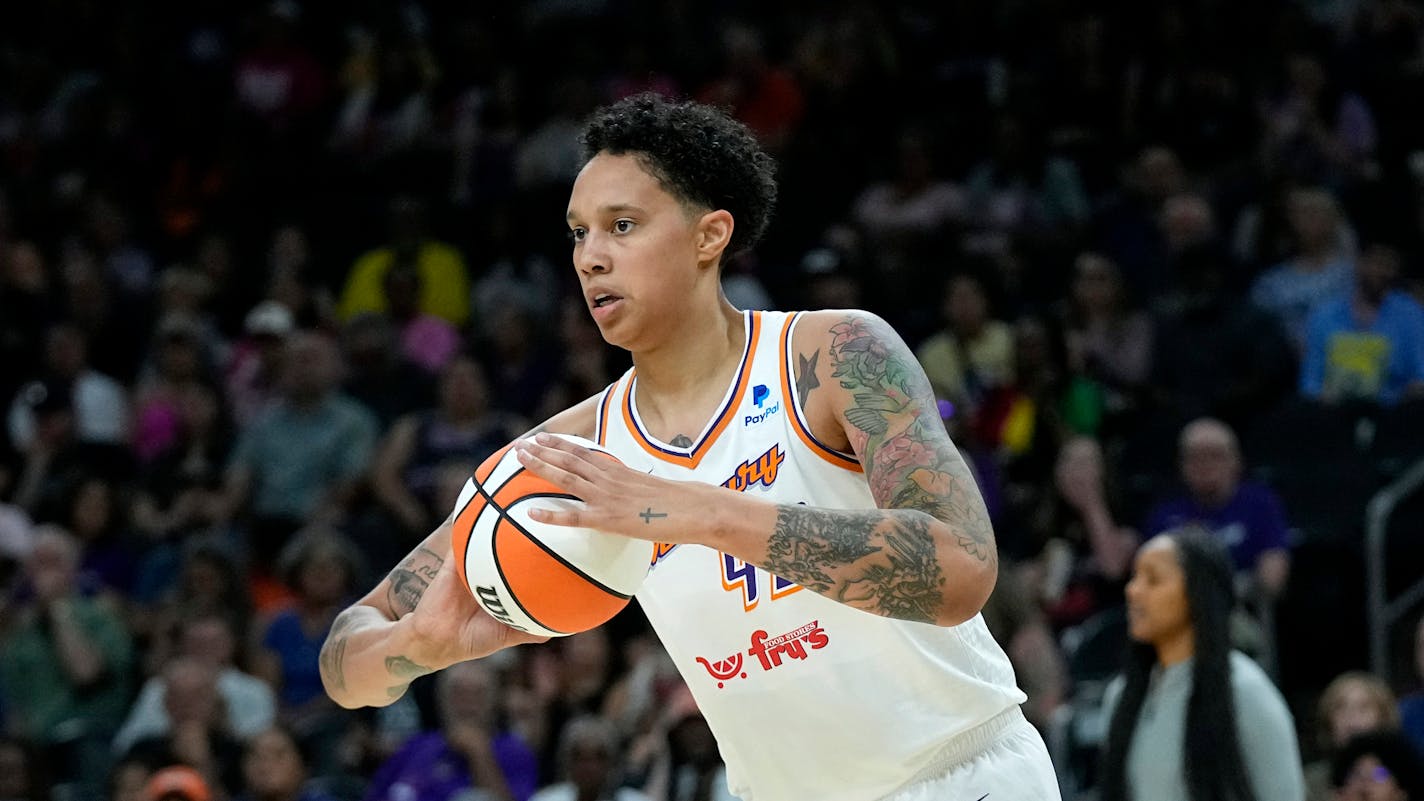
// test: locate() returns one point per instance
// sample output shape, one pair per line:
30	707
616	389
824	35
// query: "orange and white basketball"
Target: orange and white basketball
543	579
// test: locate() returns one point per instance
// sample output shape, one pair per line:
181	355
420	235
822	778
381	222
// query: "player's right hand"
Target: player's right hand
448	626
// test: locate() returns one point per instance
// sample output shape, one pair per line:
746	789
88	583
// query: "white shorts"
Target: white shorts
1013	765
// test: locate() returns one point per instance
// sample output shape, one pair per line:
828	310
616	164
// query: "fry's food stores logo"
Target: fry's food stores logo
768	651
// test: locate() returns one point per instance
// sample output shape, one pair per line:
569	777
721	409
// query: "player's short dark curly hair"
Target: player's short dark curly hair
699	154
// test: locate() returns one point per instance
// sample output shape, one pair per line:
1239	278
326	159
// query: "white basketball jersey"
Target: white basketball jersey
808	698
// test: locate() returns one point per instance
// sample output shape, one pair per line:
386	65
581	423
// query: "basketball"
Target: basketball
535	577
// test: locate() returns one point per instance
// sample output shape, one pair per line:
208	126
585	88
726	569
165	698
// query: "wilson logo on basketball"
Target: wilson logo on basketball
769	652
489	597
761	470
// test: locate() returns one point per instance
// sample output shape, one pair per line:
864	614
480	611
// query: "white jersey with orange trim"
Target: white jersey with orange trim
808	698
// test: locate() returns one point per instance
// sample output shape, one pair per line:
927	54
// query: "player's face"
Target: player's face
634	247
1157	594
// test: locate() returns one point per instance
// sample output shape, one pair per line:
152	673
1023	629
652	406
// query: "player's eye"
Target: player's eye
623	226
577	234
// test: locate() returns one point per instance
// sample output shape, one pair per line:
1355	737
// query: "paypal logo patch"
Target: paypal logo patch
759	395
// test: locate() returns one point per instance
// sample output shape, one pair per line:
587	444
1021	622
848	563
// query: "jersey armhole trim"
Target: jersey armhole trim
600	422
798	420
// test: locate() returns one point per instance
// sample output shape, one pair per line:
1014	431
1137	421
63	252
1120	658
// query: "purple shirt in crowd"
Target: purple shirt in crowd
426	768
1250	524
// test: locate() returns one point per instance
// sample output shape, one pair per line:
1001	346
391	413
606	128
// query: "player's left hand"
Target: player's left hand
618	499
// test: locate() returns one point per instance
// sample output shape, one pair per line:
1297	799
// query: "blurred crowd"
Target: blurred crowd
275	277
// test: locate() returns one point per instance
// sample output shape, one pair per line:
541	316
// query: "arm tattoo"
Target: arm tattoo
806	379
879	562
407	671
411	578
332	658
333	654
402	668
908	459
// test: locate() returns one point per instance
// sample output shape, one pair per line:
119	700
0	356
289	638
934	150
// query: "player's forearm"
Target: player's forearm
900	563
366	659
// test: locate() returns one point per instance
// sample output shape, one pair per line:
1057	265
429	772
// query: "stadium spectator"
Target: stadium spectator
1247	517
444	281
1318	269
198	733
275	769
974	353
462	429
469	753
1107	340
321	570
100	404
1366	343
588	763
1353	703
1079	554
1215	353
249	706
1190	717
303	459
378	374
1377	765
252	379
66	663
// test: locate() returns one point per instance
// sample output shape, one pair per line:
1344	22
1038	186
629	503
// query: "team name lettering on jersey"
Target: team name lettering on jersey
661	550
761	470
769	651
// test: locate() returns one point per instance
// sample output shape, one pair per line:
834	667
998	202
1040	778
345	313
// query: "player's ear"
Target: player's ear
714	231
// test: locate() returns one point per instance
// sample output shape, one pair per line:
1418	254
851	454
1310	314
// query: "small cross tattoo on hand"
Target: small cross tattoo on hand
650	514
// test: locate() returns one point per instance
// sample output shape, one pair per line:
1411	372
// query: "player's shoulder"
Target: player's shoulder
579	420
823	328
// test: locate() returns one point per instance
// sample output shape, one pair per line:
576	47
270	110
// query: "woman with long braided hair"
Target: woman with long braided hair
1191	719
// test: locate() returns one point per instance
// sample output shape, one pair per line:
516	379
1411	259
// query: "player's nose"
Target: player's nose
592	255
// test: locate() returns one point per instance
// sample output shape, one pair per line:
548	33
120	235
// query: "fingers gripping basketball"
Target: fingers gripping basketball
536	577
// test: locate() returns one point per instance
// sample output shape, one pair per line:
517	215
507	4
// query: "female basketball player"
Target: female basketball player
825	551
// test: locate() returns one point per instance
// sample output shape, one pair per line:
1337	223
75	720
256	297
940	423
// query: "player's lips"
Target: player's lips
602	301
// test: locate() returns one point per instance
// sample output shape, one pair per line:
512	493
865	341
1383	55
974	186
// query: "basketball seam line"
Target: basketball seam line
494	552
551	552
504	514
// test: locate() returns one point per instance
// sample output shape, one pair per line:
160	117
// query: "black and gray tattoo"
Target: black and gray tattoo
333	655
806	379
880	561
411	578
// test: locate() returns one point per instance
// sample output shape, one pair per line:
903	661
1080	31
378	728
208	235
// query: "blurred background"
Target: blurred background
275	277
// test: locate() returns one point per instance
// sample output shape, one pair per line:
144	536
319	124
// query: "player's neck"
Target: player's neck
700	356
